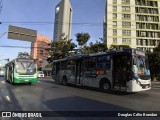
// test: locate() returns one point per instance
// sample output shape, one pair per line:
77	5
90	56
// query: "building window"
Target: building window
114	8
126	16
114	1
126	23
128	32
114	31
126	1
114	23
125	8
138	42
114	40
114	15
126	40
144	42
143	34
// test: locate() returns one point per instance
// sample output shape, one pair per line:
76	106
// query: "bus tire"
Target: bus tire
64	81
105	85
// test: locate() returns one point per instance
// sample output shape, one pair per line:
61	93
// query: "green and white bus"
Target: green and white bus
21	70
124	70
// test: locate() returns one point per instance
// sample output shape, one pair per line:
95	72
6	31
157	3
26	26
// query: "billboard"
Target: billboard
24	34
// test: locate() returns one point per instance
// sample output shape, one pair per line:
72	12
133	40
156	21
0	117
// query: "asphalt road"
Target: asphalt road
46	95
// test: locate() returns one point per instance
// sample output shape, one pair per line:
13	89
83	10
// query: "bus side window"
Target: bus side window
57	67
63	65
82	65
104	62
90	63
71	66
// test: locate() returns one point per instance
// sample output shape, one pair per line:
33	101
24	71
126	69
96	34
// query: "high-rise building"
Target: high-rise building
63	19
39	49
132	22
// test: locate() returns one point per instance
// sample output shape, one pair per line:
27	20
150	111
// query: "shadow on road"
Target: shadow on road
76	106
12	104
114	92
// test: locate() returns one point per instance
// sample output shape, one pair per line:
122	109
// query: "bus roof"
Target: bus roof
77	56
109	52
17	59
59	60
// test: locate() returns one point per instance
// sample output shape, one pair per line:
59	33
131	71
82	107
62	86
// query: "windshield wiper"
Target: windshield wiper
29	65
22	65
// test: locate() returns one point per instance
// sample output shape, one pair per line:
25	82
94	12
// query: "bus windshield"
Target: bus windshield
25	68
141	65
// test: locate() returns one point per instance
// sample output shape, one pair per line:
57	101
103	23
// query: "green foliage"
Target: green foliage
23	55
154	62
82	38
98	47
48	66
61	48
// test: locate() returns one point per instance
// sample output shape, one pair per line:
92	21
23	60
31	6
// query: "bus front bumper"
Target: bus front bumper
137	86
25	80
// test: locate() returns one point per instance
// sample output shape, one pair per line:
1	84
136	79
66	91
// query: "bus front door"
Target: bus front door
120	71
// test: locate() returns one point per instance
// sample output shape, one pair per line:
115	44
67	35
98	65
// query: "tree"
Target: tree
82	39
61	48
23	55
154	62
98	47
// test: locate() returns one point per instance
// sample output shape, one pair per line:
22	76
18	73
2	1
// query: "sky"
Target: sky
15	12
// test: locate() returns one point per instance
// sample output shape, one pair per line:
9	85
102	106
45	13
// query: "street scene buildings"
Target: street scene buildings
39	49
61	79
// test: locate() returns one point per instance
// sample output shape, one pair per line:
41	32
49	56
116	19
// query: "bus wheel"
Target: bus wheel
105	86
64	81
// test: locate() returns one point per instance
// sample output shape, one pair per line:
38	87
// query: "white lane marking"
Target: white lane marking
8	98
3	82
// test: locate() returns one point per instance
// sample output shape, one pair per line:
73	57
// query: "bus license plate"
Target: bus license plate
146	86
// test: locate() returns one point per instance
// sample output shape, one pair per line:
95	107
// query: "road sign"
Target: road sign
24	34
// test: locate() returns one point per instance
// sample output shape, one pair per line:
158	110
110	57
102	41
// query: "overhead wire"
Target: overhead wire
65	23
26	47
49	23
